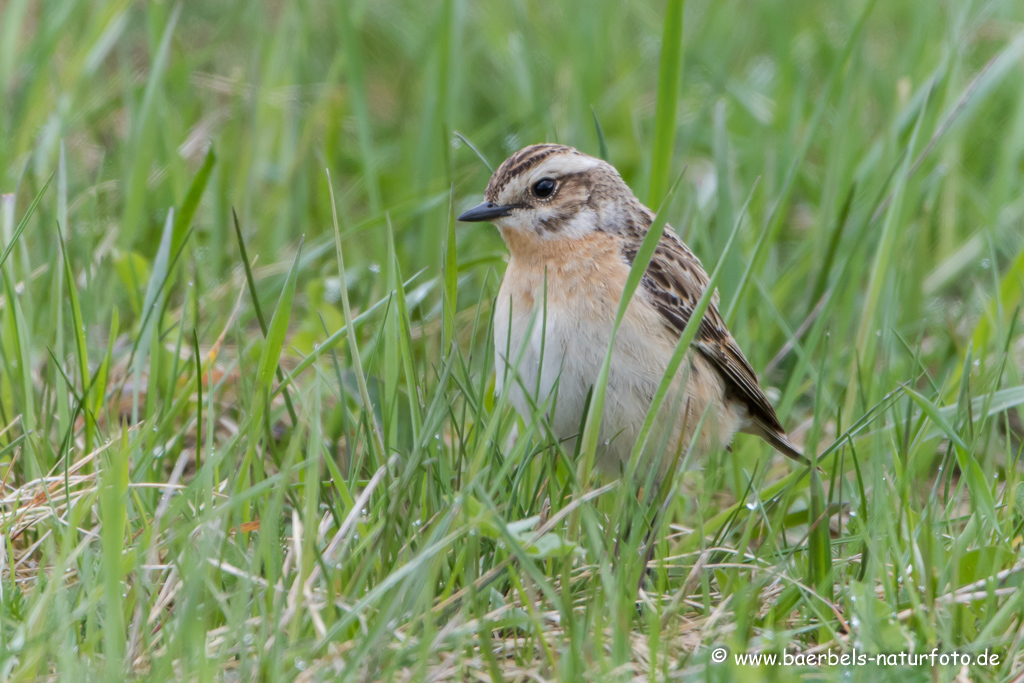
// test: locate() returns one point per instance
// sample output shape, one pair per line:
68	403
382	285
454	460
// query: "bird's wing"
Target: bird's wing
673	283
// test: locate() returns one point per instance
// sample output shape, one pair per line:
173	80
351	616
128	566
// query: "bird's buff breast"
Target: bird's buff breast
562	340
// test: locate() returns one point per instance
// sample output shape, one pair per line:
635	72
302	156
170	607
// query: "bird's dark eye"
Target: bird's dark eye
544	188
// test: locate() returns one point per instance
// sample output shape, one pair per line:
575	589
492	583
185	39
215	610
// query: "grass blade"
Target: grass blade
80	341
669	74
270	357
187	212
595	412
251	282
687	335
24	222
357	362
602	143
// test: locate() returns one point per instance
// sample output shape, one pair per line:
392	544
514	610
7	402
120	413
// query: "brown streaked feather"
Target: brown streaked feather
673	283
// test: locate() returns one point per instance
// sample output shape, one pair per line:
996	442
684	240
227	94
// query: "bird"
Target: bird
573	229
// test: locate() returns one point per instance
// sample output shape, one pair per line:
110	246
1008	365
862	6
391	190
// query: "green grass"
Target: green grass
222	460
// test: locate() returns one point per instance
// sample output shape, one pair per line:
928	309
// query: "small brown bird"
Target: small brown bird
573	228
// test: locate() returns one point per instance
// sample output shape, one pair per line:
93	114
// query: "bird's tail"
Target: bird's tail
779	441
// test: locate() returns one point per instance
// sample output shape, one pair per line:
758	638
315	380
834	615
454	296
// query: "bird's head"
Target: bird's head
550	194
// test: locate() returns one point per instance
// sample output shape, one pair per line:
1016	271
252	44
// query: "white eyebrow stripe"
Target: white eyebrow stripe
564	164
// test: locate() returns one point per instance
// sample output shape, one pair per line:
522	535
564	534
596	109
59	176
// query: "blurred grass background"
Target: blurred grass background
165	513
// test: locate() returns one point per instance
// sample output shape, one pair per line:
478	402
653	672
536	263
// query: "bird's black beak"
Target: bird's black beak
487	211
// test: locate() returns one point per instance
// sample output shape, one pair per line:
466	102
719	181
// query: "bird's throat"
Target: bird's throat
559	252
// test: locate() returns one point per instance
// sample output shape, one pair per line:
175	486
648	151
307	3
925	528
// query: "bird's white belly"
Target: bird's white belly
564	354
